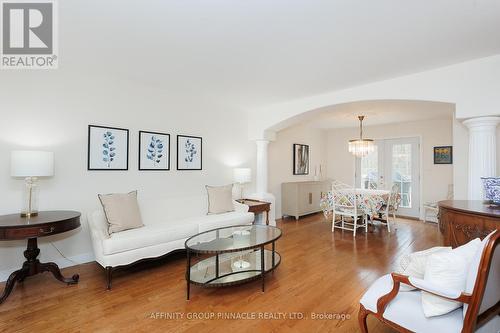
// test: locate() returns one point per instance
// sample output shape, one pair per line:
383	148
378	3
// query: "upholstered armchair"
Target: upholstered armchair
402	310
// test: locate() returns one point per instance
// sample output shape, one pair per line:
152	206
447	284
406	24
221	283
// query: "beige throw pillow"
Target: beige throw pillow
121	210
220	199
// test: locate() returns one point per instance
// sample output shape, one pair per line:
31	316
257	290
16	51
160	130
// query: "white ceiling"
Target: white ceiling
376	113
250	53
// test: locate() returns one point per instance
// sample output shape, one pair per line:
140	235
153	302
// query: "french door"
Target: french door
393	161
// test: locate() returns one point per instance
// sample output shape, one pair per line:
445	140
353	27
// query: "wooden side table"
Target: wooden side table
15	227
257	207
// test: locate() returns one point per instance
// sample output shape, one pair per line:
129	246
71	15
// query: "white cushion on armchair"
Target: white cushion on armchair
406	309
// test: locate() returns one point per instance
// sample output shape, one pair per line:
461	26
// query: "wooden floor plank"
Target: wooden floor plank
321	273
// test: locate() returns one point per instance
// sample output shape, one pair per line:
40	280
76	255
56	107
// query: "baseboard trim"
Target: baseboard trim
62	263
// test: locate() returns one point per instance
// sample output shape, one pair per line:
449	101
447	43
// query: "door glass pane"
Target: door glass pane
401	171
369	170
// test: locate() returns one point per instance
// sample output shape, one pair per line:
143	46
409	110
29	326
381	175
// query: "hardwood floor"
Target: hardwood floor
320	273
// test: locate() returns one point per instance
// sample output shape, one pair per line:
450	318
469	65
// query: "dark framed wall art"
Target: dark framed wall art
443	155
189	152
300	159
107	148
154	151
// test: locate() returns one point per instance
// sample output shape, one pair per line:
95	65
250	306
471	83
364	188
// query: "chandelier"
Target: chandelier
361	147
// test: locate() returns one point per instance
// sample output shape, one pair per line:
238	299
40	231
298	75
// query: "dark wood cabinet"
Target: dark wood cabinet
463	220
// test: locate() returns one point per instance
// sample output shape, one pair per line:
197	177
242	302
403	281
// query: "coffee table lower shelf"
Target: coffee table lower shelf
220	271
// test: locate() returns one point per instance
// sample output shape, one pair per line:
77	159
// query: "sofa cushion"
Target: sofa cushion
209	222
147	236
121	210
220	199
412	317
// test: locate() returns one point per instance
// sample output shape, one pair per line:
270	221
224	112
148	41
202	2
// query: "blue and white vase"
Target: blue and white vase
492	189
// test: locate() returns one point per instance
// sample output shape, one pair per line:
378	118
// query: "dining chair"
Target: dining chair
433	206
345	204
402	310
391	206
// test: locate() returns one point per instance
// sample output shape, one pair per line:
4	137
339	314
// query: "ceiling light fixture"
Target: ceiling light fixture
361	147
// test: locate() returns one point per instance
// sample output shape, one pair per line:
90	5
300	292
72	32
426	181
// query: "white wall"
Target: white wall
436	132
51	110
281	157
472	86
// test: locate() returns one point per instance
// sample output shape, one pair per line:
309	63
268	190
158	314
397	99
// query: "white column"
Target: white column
482	152
262	168
261	182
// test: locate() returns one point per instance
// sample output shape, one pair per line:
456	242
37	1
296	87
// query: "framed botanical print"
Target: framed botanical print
154	151
189	152
443	155
107	148
300	159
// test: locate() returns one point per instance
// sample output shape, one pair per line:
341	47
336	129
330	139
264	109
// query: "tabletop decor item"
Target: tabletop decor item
300	159
107	148
443	155
30	165
189	152
492	189
241	177
154	151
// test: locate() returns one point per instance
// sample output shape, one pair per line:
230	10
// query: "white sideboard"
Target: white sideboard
302	198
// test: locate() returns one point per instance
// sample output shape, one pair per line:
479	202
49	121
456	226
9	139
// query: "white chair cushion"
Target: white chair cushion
447	270
209	222
474	268
148	235
468	251
406	310
413	264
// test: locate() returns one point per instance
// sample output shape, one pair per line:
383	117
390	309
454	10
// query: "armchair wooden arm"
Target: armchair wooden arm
399	278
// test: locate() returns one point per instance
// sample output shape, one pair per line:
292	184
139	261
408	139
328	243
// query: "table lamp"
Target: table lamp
30	165
242	176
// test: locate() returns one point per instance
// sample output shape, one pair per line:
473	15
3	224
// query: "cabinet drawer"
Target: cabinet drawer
35	231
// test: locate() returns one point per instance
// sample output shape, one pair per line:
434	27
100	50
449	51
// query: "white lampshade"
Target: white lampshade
28	163
242	175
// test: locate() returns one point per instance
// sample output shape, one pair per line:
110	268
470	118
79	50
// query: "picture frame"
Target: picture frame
443	155
154	151
189	152
107	148
300	159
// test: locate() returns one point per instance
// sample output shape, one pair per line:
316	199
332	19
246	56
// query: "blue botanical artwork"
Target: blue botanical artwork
109	151
107	148
155	150
190	151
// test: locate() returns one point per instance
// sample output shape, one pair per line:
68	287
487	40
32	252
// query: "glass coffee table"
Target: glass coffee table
238	255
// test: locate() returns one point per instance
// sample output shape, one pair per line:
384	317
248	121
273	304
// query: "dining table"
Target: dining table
370	201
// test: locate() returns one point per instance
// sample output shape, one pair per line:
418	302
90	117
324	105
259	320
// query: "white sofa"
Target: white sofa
167	225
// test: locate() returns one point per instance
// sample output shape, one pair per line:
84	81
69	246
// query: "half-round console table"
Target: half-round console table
15	227
460	221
